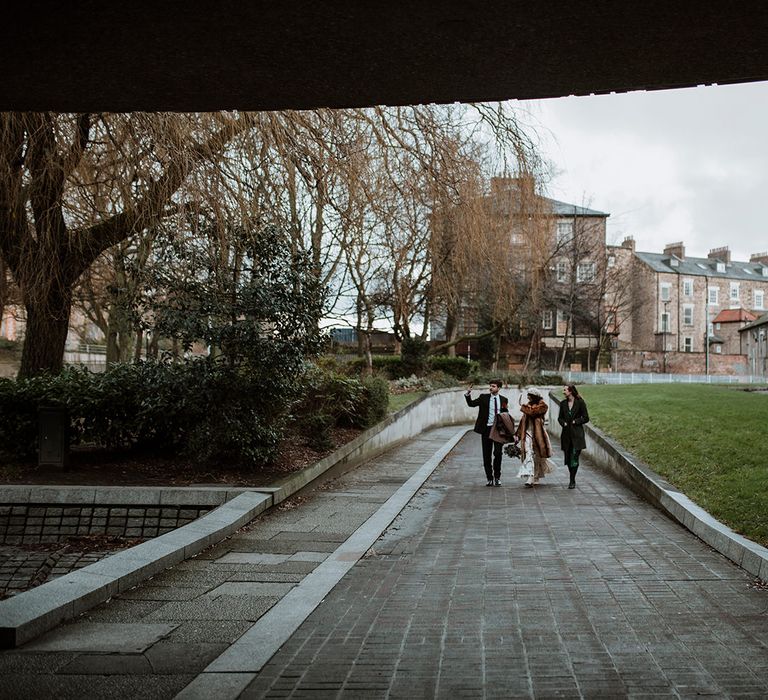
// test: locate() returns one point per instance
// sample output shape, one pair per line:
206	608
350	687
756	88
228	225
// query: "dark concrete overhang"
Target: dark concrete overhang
256	55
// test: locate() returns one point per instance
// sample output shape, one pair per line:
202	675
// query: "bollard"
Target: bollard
53	436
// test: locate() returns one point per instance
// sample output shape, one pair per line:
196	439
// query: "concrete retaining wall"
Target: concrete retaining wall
611	457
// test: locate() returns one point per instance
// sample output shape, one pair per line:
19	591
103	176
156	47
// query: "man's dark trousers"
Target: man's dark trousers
492	470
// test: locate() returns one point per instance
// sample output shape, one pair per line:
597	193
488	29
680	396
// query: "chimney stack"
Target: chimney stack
723	254
629	243
676	249
759	258
501	184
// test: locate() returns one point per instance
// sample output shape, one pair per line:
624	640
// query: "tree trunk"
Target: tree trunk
451	331
153	351
368	353
138	346
564	349
3	288
46	331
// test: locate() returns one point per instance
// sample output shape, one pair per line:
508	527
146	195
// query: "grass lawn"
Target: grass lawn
711	442
398	401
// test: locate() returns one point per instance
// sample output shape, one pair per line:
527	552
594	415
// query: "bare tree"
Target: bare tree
73	186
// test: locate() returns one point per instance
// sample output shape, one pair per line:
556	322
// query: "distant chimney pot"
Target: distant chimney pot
629	243
723	254
676	249
761	258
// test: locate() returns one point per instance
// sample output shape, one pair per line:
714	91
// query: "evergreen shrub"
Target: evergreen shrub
457	367
413	353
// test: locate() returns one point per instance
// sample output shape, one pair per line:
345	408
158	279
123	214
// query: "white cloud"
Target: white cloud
672	165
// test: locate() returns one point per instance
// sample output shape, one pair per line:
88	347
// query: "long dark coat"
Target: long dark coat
484	402
572	422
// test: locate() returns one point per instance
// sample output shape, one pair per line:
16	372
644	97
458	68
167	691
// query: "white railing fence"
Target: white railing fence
656	378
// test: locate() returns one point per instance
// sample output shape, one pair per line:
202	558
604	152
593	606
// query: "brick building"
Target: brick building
659	312
680	304
572	258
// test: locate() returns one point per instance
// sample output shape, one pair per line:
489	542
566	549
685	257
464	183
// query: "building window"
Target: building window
717	325
734	291
720	267
611	260
564	231
759	295
548	320
585	272
687	288
711	328
713	296
666	291
718	349
665	325
562	272
687	344
688	315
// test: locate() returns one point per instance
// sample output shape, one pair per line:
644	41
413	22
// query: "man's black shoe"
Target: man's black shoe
490	482
498	482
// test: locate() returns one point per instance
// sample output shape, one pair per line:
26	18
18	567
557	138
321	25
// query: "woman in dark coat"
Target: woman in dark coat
573	415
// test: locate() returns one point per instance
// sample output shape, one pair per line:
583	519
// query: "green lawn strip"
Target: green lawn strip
709	441
398	401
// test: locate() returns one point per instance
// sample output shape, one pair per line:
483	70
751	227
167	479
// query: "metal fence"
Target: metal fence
656	378
94	357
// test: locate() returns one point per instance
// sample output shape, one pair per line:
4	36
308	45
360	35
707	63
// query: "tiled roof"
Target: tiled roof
733	315
763	320
699	267
565	209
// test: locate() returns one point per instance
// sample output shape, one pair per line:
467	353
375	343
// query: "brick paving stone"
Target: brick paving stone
476	592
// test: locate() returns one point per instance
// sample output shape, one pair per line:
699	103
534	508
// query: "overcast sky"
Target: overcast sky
667	165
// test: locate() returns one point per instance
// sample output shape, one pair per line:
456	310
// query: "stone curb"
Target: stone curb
638	476
121	495
29	614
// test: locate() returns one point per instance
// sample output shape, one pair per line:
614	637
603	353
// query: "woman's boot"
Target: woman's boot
572	471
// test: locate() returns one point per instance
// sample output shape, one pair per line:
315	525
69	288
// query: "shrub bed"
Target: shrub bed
202	409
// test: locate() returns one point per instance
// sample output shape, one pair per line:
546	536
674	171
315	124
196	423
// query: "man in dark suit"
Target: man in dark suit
489	406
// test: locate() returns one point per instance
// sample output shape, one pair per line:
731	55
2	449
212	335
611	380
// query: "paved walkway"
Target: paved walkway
471	592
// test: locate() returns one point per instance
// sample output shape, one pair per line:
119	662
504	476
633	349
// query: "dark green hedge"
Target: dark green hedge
390	366
332	399
393	367
198	408
457	367
202	409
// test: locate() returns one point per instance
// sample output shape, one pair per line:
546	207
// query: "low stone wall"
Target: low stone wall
679	362
37	523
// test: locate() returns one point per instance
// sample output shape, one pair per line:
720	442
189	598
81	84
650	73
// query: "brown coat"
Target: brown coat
503	430
533	422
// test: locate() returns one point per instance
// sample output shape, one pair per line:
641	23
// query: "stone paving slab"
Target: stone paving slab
126	638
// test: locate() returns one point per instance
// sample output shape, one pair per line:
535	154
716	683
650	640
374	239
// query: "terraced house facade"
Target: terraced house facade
686	312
